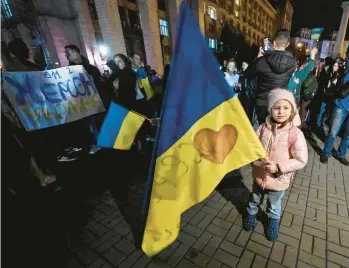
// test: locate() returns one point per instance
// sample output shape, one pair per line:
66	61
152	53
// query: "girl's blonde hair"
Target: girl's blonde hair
289	120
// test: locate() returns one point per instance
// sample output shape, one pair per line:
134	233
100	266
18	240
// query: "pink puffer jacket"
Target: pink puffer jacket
276	146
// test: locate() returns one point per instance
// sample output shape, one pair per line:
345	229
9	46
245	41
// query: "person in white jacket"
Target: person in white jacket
231	75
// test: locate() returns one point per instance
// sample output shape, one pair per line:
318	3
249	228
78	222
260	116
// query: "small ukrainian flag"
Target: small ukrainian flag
119	128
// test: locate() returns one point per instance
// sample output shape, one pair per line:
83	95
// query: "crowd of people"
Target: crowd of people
318	85
281	94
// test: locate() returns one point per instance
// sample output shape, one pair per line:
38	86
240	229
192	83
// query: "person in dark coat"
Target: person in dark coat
125	83
273	69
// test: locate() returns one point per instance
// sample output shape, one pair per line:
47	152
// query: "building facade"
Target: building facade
102	28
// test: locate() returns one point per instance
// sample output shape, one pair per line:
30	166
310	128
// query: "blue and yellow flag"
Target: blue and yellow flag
204	134
119	128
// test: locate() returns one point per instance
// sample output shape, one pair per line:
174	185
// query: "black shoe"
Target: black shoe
343	161
324	159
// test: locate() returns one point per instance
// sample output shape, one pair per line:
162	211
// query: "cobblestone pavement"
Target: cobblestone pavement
314	229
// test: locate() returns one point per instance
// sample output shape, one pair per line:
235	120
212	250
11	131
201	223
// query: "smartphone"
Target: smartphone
267	44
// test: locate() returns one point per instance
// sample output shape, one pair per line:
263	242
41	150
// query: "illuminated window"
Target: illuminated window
237	2
212	43
163	27
236	13
5	10
212	13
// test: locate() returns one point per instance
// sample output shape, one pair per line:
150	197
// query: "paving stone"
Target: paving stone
337	201
311	259
222	223
232	216
337	224
338	218
215	205
338	259
288	240
158	264
114	256
316	206
332	208
261	240
178	255
212	245
98	229
205	222
315	224
332	265
295	211
226	258
258	248
246	259
307	243
108	244
338	249
98	215
314	232
344	238
296	206
319	247
125	246
86	256
197	218
303	265
286	219
184	263
321	216
216	230
186	239
166	253
272	264
310	213
231	248
210	211
290	231
243	238
233	233
214	264
97	263
259	262
122	229
192	230
141	262
277	252
343	211
290	257
197	257
131	259
333	234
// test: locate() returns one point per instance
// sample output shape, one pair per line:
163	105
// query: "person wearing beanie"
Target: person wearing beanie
286	150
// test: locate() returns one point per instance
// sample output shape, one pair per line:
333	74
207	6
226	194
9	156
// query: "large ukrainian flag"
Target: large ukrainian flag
119	128
204	133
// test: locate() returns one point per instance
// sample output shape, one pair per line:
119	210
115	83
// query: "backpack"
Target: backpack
292	135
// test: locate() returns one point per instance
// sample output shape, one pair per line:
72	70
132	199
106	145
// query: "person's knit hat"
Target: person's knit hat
281	94
284	94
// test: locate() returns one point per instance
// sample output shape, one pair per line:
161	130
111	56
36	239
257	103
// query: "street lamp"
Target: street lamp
103	50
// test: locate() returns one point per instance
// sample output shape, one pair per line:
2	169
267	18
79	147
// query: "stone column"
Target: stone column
109	21
87	33
148	11
342	30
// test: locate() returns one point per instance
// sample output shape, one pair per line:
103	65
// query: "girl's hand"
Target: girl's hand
271	167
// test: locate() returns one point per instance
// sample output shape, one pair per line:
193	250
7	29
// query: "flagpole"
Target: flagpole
149	184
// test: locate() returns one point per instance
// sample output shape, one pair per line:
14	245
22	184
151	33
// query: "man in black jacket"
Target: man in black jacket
273	70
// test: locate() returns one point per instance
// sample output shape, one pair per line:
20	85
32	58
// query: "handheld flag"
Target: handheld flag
204	134
119	128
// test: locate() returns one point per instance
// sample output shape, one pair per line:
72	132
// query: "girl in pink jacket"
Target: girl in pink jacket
286	150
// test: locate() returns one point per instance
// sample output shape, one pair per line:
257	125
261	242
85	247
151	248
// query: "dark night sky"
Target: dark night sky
328	14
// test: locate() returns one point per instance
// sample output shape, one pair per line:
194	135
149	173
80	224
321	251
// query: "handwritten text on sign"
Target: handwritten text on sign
51	98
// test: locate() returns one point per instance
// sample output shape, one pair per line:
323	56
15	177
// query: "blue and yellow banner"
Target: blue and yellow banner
204	134
316	33
119	128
